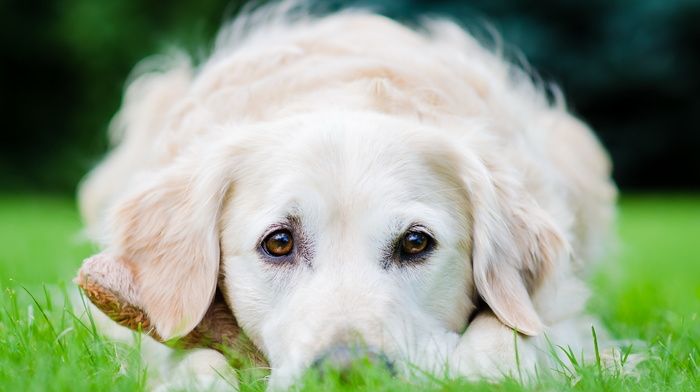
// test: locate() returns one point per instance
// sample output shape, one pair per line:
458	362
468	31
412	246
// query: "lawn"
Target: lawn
650	292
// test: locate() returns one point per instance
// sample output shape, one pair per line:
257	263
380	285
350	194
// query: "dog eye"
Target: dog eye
414	243
279	243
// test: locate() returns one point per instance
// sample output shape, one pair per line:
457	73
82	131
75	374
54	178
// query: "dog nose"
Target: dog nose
344	359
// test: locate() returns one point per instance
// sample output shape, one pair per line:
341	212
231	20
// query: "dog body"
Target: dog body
436	201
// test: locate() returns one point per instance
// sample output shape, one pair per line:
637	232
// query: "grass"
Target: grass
650	293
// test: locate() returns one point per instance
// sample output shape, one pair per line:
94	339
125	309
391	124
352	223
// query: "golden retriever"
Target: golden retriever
347	186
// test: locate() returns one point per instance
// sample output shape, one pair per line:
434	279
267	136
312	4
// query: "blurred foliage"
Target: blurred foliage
629	68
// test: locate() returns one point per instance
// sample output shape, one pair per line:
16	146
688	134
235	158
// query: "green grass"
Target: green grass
651	293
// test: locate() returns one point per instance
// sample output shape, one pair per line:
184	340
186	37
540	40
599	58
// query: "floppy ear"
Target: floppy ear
515	246
167	232
108	282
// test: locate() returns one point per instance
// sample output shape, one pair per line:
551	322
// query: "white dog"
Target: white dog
352	187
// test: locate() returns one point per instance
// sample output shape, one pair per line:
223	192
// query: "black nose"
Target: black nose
344	361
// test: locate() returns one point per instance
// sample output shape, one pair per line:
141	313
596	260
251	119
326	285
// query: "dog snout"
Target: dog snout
343	360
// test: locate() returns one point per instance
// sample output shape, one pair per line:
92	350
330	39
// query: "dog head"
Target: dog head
336	230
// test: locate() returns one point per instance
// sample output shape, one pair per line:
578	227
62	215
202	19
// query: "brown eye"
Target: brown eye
279	243
414	243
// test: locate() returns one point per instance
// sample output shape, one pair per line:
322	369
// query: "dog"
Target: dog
344	186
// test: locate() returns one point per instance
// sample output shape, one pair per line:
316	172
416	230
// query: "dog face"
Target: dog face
337	230
351	233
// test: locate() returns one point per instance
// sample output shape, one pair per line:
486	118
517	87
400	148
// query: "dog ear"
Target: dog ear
109	283
167	232
515	246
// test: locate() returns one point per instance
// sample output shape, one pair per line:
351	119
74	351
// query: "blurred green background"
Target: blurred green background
629	68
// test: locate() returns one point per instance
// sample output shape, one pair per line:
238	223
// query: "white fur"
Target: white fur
357	128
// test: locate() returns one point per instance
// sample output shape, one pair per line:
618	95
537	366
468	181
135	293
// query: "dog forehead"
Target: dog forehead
343	169
356	150
351	159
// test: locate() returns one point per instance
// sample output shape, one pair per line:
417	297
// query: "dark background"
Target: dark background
631	69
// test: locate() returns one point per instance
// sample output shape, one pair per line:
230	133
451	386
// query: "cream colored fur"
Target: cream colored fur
351	129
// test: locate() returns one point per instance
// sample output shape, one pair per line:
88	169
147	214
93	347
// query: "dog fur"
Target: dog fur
349	131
